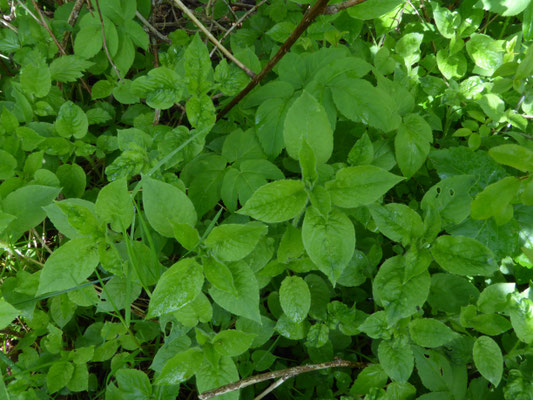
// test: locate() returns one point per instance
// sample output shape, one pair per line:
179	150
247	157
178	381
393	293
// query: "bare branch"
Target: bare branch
151	28
72	18
335	8
282	375
193	18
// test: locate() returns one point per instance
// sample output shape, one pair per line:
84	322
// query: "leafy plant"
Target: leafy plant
195	201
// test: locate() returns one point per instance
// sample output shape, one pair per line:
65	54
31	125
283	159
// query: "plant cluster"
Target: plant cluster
337	197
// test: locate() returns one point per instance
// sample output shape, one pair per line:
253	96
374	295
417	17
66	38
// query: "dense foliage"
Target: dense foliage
369	201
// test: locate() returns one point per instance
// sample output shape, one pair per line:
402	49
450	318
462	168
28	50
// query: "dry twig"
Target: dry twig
281	375
151	28
225	51
72	18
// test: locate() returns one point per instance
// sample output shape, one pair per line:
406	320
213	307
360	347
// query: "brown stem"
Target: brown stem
335	8
282	375
106	50
308	18
72	18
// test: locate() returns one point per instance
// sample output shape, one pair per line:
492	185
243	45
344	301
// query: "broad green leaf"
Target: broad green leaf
408	47
451	65
412	144
113	205
69	265
211	377
290	329
232	343
59	375
397	359
136	33
7	313
71	121
125	54
360	185
398	222
494	199
373	8
449	293
522	320
181	367
133	383
429	332
88	41
438	374
178	286
446	21
307	160
232	242
164	202
276	201
329	242
162	88
486	52
290	245
25	204
198	70
295	298
488	359
70	68
362	151
493	106
506	8
230	78
8	163
370	377
199	310
307	121
375	108
73	180
494	298
462	255
242	145
400	298
513	155
35	79
269	124
201	112
187	235
219	275
245	302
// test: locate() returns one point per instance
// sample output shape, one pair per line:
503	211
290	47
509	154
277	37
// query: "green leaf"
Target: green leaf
362	151
137	34
290	329
219	275
69	68
446	21
307	120
360	185
71	121
506	8
375	108
522	321
241	145
164	203
493	298
276	201
181	367
8	163
101	89
198	70
246	301
211	377
495	199
59	375
462	255
373	8
412	144
178	286
125	54
232	242
201	112
486	52
73	180
88	41
398	222
35	79
429	332
295	298
113	205
269	121
232	343
513	155
397	359
370	377
25	204
399	297
133	384
493	106
451	65
7	313
488	359
162	88
329	242
69	265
